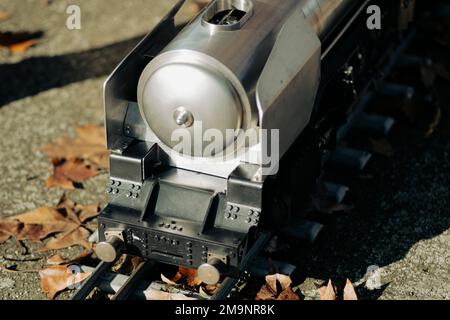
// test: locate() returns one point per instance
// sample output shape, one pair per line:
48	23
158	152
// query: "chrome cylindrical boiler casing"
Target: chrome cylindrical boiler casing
209	73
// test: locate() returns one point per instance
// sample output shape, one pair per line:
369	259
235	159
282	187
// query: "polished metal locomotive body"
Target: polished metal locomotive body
239	65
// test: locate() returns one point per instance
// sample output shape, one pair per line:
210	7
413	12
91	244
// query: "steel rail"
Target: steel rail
126	291
83	292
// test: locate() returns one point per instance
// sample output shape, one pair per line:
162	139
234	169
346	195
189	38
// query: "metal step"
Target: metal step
260	267
302	229
129	287
374	123
410	60
350	158
336	192
390	89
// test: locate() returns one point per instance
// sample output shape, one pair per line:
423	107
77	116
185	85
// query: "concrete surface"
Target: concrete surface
401	222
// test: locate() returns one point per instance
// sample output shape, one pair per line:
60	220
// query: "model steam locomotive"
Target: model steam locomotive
293	67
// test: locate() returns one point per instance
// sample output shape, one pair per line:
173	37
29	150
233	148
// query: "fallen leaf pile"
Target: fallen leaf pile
328	292
64	225
188	279
18	42
184	276
77	160
277	287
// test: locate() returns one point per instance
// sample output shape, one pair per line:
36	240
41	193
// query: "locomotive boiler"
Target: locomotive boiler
287	72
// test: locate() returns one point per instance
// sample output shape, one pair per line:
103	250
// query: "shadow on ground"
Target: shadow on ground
399	202
38	74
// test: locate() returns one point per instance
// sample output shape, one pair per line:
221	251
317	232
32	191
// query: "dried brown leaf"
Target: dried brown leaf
22	47
327	292
65	148
66	173
4	237
58	278
92	133
190	276
266	293
56	260
288	294
101	160
284	281
65	221
57	180
349	291
42	222
10	227
76	212
44	215
34	232
88	212
64	202
90	146
19	42
126	264
68	239
167	281
177	277
4	15
269	291
120	263
79	159
36	224
135	262
77	170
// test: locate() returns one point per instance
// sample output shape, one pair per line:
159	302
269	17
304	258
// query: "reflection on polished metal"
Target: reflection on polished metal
183	117
109	251
193	81
225	67
228	14
210	272
322	14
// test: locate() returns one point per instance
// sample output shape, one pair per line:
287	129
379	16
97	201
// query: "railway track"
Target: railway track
136	285
132	287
